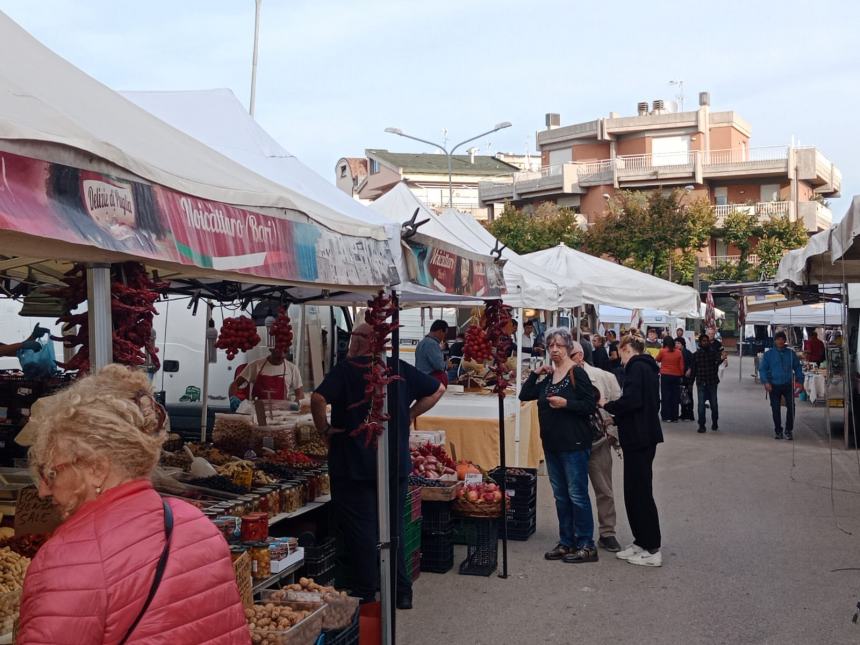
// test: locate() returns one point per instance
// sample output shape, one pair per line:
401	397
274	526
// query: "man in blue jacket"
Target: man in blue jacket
780	372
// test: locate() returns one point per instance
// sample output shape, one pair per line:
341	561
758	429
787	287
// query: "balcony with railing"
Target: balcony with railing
763	210
715	261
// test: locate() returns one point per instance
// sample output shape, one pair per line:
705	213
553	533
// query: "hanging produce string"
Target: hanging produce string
377	374
498	323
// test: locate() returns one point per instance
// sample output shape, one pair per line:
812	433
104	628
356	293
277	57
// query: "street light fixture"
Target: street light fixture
449	153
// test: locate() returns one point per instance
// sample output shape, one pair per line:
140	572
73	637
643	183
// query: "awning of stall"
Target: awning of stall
815	315
89	176
219	120
525	284
609	283
829	256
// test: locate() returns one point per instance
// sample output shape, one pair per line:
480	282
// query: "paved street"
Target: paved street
751	546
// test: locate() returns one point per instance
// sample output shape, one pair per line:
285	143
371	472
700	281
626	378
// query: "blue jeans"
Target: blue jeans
568	476
708	393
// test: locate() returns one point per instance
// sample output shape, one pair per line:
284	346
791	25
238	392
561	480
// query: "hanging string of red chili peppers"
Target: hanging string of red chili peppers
497	322
378	375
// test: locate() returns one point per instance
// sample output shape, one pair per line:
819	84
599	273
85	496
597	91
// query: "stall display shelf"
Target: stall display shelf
320	501
277	577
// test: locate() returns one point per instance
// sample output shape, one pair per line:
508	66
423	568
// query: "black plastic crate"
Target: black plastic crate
347	636
437	552
525	483
523	533
482	558
437	517
320	560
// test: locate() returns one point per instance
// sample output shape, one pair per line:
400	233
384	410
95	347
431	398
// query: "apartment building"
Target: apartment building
368	178
708	153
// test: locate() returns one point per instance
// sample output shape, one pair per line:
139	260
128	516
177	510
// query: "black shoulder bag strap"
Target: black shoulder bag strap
159	569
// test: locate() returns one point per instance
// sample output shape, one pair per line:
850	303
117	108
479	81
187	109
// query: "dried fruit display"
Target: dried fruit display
282	331
237	335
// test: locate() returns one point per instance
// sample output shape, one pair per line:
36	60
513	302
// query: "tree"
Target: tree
739	229
546	227
778	235
654	231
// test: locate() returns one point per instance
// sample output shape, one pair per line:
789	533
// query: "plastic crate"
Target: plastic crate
522	531
320	561
517	485
348	636
437	517
482	557
437	552
411	538
412	505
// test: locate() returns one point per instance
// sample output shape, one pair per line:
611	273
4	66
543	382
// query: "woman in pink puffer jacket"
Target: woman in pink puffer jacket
94	447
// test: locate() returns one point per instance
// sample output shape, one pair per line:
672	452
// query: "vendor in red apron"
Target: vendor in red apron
272	377
428	354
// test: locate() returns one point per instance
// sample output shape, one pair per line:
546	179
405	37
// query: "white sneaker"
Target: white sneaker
629	552
646	559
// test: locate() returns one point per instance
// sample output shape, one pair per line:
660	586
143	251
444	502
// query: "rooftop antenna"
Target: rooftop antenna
679	97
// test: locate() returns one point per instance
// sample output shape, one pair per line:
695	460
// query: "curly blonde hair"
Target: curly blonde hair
111	414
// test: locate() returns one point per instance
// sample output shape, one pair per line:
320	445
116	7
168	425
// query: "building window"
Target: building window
721	196
343	170
770	192
374	167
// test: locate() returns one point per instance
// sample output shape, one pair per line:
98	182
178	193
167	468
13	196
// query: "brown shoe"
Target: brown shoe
582	554
558	552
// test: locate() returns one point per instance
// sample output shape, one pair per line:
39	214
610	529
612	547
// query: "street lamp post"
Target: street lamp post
253	102
449	154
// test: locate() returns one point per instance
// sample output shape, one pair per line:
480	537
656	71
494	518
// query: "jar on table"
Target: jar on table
325	482
255	527
262	497
261	564
275	506
251	503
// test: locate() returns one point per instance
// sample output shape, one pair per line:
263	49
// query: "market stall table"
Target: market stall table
472	429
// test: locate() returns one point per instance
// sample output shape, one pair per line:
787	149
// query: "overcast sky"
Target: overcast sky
333	74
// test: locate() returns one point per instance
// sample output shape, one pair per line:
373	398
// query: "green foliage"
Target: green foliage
778	236
645	230
546	227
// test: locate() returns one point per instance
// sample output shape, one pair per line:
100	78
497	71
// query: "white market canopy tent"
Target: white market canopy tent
619	315
527	285
219	120
815	315
105	181
829	257
608	283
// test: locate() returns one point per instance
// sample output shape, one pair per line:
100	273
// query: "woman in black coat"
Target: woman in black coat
637	414
565	404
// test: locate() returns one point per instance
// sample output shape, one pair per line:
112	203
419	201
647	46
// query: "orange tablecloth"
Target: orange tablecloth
477	439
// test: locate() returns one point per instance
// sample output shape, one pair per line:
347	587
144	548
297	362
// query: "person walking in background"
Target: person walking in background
706	375
429	358
600	356
639	432
679	333
600	462
671	361
565	404
612	350
781	374
686	381
814	349
587	347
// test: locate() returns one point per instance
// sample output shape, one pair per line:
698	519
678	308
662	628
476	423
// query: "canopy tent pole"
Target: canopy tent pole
204	403
386	497
519	357
99	316
300	339
504	477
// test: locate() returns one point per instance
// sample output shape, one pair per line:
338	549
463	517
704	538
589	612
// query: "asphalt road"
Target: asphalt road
752	544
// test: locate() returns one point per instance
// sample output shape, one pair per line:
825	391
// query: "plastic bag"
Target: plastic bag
38	365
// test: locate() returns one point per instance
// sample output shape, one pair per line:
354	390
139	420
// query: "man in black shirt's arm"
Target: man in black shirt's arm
352	465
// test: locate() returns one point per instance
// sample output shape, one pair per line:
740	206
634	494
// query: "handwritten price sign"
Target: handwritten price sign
34	515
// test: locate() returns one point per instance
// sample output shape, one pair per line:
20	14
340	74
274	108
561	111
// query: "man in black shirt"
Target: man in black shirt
705	372
600	356
352	465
